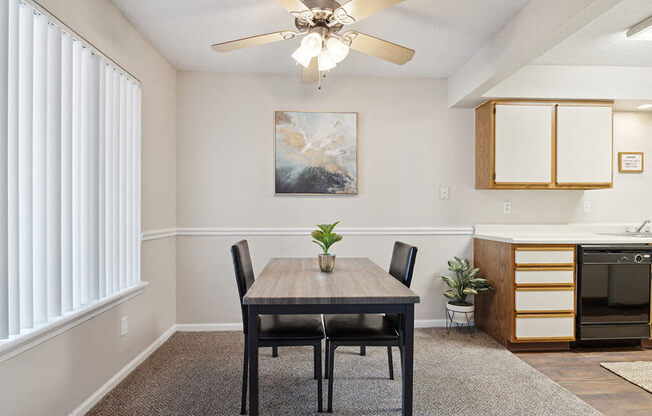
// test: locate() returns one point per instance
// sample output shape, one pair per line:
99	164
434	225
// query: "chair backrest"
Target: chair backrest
402	264
244	275
402	267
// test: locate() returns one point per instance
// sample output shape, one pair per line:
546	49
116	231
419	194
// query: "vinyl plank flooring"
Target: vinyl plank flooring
579	372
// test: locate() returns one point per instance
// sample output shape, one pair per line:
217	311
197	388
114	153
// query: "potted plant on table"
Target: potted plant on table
466	282
324	237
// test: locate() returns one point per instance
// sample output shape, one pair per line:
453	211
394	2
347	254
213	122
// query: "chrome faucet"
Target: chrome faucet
640	227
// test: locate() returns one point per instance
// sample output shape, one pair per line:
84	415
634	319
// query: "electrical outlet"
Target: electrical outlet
443	191
586	205
123	326
507	207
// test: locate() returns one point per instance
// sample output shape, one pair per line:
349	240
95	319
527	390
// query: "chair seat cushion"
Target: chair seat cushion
290	327
359	327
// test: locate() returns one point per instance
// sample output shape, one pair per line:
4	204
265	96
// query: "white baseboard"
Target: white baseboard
430	323
120	375
418	323
209	327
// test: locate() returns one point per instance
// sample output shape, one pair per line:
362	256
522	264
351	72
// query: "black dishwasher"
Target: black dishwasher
613	296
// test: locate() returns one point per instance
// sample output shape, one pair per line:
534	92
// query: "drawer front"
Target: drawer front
544	277
544	300
545	328
560	256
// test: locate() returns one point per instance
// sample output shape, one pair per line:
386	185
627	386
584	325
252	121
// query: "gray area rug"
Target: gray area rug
636	372
200	374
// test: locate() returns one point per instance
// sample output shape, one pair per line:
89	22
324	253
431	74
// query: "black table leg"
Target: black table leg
326	367
318	377
253	360
408	358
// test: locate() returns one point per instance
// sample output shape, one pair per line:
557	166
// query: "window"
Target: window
69	174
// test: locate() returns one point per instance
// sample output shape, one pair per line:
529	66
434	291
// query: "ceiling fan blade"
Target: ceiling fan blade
379	48
361	9
253	41
310	75
292	5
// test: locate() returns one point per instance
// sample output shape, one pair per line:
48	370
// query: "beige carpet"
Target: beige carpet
636	372
200	374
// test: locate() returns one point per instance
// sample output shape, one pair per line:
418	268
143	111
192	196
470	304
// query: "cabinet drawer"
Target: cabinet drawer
543	328
544	277
547	256
544	300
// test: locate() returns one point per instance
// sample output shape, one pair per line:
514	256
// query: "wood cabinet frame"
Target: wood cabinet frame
496	309
485	146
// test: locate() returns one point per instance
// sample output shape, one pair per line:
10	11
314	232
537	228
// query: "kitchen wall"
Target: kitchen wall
56	376
409	143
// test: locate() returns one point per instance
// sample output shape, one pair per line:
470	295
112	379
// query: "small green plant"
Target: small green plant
325	237
464	283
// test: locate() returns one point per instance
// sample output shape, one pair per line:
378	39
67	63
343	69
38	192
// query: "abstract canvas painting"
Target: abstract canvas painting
316	153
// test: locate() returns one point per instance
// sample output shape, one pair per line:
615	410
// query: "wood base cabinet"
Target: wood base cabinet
544	144
533	304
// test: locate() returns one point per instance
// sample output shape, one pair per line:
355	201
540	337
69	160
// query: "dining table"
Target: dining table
355	286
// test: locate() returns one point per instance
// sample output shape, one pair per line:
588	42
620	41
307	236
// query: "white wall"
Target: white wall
409	142
631	198
571	82
56	376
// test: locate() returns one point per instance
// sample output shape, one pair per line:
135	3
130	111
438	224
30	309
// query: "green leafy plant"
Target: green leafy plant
325	237
464	283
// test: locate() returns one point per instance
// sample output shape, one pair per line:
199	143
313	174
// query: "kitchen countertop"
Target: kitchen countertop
561	234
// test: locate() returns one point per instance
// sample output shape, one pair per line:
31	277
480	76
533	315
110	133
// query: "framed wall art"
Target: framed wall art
315	153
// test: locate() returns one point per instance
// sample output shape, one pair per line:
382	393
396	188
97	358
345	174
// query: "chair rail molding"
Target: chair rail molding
379	231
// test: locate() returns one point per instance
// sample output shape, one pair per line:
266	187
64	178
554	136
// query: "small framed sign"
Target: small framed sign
630	162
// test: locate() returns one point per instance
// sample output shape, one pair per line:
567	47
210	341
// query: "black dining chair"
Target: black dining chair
370	329
275	330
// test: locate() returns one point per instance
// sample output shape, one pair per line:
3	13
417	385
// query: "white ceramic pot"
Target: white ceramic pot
460	314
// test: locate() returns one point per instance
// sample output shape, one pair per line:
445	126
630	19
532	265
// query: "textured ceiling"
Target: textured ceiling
444	34
603	41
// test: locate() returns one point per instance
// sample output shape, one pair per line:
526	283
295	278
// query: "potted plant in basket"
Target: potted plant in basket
324	237
466	282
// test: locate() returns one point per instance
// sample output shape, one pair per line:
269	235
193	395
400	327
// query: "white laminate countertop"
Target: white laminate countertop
561	234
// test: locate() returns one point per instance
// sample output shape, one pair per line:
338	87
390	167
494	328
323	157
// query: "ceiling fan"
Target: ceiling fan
323	46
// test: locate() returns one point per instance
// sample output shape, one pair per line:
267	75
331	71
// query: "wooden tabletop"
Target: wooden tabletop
298	281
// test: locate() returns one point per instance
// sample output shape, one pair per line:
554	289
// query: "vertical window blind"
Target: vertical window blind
69	173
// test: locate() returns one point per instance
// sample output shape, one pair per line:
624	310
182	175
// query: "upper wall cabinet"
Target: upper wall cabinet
543	145
523	150
584	144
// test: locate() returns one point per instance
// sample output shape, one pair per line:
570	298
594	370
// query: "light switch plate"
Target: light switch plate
586	205
443	191
507	207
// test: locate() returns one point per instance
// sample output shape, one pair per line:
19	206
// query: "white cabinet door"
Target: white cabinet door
523	147
584	144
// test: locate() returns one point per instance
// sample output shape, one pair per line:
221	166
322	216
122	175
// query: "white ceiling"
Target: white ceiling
444	34
603	41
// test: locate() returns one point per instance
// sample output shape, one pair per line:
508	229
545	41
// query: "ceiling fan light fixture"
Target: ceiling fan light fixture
325	61
337	49
302	56
312	43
